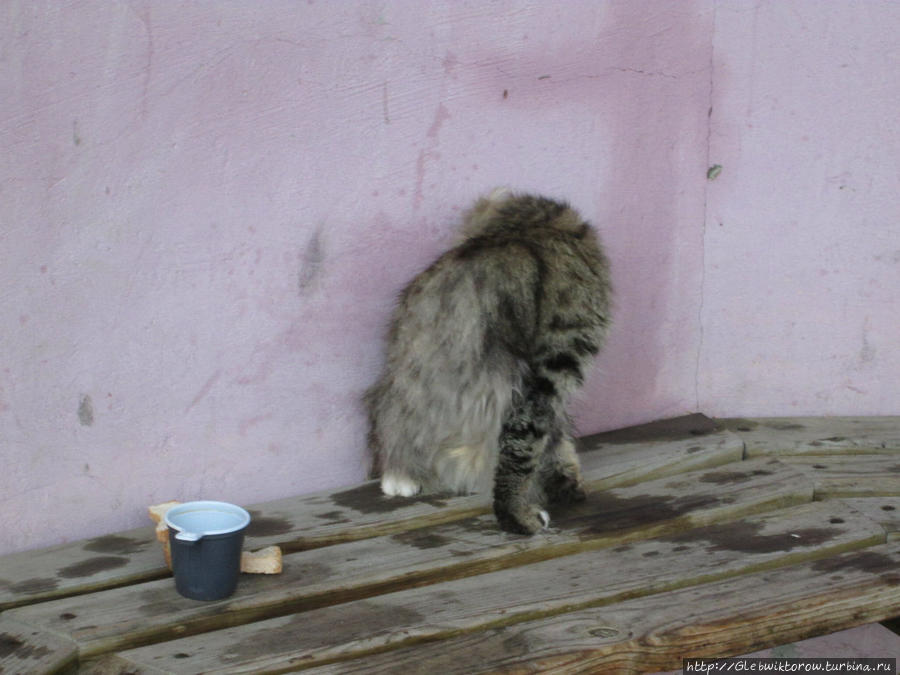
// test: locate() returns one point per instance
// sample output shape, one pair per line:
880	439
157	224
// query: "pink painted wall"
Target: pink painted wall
207	209
801	288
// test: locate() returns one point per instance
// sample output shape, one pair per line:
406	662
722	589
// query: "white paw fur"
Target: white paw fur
545	518
396	485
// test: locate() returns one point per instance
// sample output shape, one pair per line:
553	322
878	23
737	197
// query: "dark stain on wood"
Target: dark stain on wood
603	512
10	645
863	561
117	545
740	424
336	517
309	573
92	566
368	498
785	426
160	602
34	586
728	477
674	429
516	644
267	526
421	540
745	537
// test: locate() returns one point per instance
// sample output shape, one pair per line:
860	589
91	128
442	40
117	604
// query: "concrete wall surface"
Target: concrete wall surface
207	209
802	245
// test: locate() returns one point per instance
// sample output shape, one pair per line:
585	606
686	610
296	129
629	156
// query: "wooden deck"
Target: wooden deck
699	538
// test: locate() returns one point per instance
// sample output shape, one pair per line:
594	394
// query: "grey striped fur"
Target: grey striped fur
485	348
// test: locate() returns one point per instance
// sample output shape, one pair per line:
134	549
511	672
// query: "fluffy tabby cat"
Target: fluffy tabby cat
484	349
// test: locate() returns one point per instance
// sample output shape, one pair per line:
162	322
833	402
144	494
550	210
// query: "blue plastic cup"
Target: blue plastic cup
206	539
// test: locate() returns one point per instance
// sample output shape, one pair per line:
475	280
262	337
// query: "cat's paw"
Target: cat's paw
545	518
398	485
526	520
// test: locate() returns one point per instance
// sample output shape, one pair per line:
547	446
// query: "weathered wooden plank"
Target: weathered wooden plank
26	650
859	642
682	427
111	664
144	613
293	523
630	456
864	466
81	567
520	594
883	510
687	500
833	487
654	633
326	518
817	435
850	476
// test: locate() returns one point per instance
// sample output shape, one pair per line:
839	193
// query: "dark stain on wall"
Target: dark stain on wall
86	410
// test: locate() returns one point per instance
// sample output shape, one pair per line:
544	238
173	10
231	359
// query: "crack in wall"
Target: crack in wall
703	231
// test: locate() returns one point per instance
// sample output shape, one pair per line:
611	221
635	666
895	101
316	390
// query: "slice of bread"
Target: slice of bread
158	516
158	511
264	561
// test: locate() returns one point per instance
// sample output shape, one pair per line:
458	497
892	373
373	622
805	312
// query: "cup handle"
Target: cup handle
189	537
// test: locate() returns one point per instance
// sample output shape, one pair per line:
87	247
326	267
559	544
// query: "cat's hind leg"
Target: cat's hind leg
523	439
561	473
